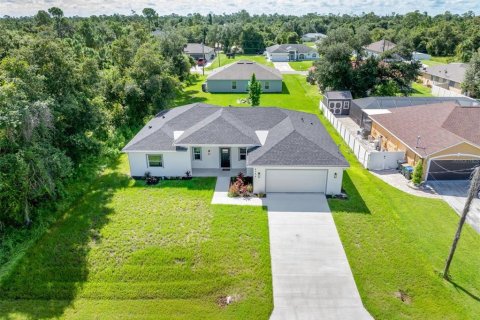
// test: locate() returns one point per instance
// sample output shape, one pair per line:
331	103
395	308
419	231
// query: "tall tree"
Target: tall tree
471	84
254	91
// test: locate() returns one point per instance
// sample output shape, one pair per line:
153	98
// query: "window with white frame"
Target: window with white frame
197	153
242	154
155	160
234	85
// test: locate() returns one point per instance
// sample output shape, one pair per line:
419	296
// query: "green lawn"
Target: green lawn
127	250
435	61
300	65
419	90
224	60
310	44
297	94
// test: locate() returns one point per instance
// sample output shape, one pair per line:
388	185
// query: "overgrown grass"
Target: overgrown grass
297	94
301	65
224	60
135	251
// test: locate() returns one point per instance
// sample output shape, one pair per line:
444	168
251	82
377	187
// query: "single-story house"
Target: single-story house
290	52
361	109
449	76
235	77
445	136
376	49
283	150
199	51
313	36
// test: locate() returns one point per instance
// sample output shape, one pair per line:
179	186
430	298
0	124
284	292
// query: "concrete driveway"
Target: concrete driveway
311	275
285	68
454	192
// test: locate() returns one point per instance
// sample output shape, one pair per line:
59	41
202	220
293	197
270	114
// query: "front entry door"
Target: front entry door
225	157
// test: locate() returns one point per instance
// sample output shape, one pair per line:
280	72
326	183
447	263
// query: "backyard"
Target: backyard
297	94
127	250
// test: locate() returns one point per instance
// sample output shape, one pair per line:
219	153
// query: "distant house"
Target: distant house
449	76
199	51
282	150
312	37
290	52
376	49
234	77
445	136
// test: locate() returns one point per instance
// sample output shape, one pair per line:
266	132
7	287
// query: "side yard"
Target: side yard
396	245
301	65
128	250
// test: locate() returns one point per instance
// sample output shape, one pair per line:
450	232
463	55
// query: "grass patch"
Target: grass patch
301	65
131	250
224	60
397	244
435	61
419	90
310	44
297	94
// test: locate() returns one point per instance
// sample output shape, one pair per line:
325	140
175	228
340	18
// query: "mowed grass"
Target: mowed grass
396	242
128	250
435	61
419	90
222	60
297	94
301	65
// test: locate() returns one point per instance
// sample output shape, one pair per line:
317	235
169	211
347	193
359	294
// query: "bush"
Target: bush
150	180
240	187
418	173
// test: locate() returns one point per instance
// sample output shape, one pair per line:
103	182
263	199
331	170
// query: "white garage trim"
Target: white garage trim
296	180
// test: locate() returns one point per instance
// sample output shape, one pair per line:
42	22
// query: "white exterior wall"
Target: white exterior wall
284	57
211	158
334	185
174	164
242	86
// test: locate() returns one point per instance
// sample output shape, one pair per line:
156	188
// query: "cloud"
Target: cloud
296	7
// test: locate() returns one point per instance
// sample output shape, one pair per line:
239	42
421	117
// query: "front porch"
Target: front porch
232	172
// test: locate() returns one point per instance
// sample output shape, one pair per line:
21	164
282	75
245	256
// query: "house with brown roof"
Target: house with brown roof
445	136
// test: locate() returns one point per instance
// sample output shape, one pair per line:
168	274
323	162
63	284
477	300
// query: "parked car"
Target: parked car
201	62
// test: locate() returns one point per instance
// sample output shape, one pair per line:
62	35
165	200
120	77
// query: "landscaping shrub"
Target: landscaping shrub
241	186
417	173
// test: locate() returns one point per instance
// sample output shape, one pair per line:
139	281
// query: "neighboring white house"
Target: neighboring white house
199	51
283	150
313	36
235	77
290	52
446	79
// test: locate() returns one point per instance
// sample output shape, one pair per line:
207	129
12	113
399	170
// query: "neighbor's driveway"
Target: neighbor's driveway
285	68
454	192
311	275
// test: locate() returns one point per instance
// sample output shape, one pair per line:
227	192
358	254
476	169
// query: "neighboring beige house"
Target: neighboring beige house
445	136
449	76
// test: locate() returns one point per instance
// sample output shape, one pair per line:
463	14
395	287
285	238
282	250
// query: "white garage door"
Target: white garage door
296	180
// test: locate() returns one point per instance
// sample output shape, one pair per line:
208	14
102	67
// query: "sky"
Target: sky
296	7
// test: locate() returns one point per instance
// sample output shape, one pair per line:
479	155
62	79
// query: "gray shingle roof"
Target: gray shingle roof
451	71
396	102
285	48
196	48
243	70
294	138
380	46
338	95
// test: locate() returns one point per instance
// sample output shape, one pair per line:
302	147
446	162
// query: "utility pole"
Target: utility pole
203	50
472	193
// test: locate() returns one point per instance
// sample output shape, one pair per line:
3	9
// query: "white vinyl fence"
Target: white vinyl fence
442	92
370	159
